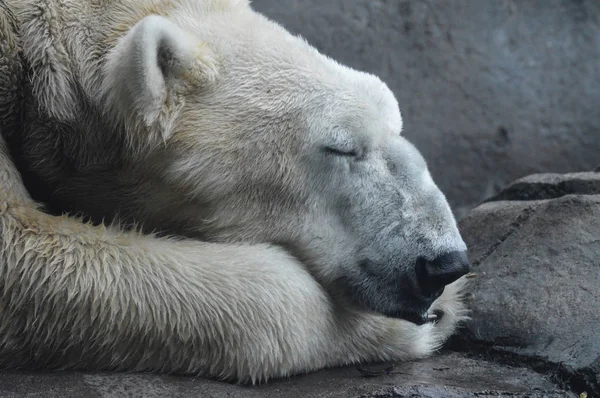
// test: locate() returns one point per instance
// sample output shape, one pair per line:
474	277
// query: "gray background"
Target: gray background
490	90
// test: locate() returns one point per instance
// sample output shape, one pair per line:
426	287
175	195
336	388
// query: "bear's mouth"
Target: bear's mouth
420	318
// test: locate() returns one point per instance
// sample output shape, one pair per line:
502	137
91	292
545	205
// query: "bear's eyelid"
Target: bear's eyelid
342	143
341	152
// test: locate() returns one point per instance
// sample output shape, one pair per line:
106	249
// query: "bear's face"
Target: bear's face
276	143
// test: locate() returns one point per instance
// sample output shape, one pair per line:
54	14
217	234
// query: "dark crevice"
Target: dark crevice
577	381
525	191
514	226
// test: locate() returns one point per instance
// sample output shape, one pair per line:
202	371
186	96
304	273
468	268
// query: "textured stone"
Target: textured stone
537	296
490	90
447	375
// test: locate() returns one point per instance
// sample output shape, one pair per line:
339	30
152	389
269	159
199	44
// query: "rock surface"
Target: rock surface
447	375
537	297
490	90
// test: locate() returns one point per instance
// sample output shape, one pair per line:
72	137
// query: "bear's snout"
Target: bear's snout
434	275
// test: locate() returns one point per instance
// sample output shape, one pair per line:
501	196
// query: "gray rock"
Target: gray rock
447	375
548	186
537	297
490	90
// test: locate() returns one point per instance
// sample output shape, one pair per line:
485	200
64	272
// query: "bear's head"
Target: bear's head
270	141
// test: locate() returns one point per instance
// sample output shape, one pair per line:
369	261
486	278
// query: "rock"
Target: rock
548	186
446	375
489	90
537	297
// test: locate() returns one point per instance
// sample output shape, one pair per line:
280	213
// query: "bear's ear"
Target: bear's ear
148	75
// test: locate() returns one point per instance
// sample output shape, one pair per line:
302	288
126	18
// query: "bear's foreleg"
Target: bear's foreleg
90	297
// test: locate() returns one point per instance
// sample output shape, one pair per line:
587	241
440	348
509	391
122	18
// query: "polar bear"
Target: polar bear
272	219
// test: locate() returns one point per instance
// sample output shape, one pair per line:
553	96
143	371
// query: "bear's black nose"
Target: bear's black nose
434	275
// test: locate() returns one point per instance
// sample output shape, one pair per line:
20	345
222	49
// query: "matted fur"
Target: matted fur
74	295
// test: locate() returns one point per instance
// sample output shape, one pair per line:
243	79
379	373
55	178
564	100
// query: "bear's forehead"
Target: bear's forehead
317	83
262	57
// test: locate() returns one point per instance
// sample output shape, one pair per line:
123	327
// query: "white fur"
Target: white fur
126	301
192	90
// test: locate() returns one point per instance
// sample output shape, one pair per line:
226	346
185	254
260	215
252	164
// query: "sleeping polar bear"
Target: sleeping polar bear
282	224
